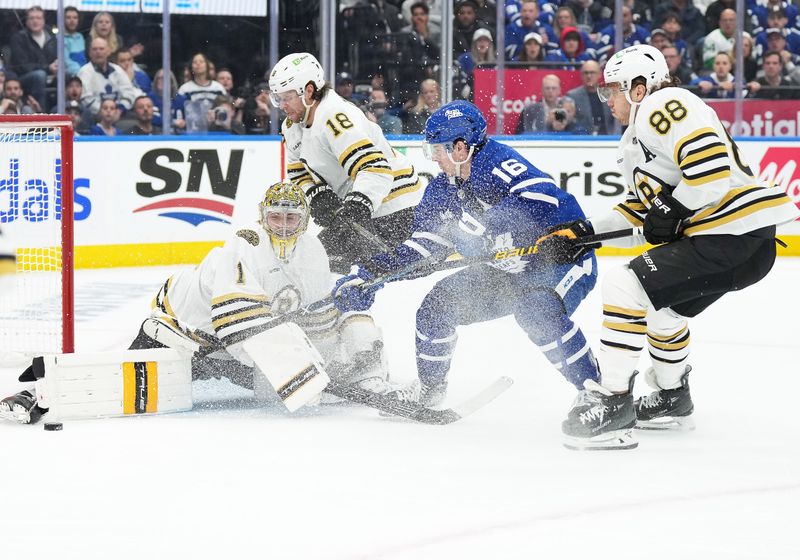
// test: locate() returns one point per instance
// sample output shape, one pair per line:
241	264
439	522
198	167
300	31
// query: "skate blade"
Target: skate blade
667	423
619	439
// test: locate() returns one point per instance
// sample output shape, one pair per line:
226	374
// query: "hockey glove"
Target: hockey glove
348	293
559	244
664	220
324	204
356	209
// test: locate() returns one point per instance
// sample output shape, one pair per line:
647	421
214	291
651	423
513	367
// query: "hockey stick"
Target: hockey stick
416	411
609	235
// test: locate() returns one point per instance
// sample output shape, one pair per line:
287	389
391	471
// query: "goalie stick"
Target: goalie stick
416	411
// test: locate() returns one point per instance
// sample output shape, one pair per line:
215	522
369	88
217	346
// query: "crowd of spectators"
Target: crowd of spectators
391	63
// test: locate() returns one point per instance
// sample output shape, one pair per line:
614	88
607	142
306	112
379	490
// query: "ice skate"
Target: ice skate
666	409
600	419
426	395
21	408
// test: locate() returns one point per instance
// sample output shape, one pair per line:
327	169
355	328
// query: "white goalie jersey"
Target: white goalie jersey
676	142
244	284
349	153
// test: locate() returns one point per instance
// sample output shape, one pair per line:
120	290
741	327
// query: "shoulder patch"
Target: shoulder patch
250	236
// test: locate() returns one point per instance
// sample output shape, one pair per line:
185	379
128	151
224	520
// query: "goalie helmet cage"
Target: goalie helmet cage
36	214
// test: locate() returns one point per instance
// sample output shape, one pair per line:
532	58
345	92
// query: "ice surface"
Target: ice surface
339	483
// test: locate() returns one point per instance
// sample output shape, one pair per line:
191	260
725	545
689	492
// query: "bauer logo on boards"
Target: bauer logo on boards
190	185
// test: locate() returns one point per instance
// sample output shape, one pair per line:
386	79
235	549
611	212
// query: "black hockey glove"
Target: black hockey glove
664	220
324	204
357	208
559	244
345	245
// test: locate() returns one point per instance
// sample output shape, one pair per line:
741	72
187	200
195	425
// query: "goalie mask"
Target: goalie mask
284	216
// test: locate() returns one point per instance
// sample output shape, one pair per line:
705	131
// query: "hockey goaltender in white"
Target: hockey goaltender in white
219	310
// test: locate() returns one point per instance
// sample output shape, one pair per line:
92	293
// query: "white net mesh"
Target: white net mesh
30	221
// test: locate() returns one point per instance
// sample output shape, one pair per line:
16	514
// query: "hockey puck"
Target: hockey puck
53	426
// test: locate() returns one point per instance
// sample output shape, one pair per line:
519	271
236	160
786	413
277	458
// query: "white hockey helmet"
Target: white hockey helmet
284	214
623	67
293	73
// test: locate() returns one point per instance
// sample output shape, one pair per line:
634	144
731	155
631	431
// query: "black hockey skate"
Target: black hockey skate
666	409
600	419
21	408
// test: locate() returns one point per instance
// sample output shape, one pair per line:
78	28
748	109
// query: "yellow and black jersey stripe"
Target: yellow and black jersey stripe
234	312
632	209
299	175
702	157
405	181
735	205
363	156
319	322
161	301
623	329
670	349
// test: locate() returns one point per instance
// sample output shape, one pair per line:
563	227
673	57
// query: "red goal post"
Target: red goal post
36	217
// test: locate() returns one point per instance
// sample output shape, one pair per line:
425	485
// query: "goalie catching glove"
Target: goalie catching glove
560	242
664	220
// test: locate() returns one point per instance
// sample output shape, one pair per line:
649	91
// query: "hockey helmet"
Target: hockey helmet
284	214
293	73
643	61
457	120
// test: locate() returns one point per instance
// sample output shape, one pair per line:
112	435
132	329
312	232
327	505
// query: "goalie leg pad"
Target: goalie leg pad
109	384
290	362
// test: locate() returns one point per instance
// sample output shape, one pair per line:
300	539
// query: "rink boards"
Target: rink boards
153	201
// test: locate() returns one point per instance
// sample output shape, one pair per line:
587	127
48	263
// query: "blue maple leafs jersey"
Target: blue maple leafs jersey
505	199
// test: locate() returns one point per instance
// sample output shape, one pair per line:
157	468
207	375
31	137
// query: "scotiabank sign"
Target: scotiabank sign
762	118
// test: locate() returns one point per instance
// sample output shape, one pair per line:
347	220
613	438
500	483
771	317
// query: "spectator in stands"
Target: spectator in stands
719	84
74	111
103	26
714	10
632	35
776	41
74	44
257	110
777	20
690	17
33	54
425	33
675	64
376	112
532	52
157	94
73	91
572	51
143	109
671	27
748	57
388	14
138	78
564	18
196	97
762	11
465	25
721	39
482	52
102	79
773	85
528	22
592	116
434	13
428	101
552	114
221	117
13	102
585	12
107	119
225	78
346	89
3	77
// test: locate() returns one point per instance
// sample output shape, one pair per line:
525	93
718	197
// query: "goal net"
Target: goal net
36	220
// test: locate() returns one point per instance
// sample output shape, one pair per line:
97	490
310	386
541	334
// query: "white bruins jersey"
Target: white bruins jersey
243	284
348	152
676	142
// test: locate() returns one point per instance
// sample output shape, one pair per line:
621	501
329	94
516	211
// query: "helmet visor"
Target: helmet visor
607	91
283	97
434	152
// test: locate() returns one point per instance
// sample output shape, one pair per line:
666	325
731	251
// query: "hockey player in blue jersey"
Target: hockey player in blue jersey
488	198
